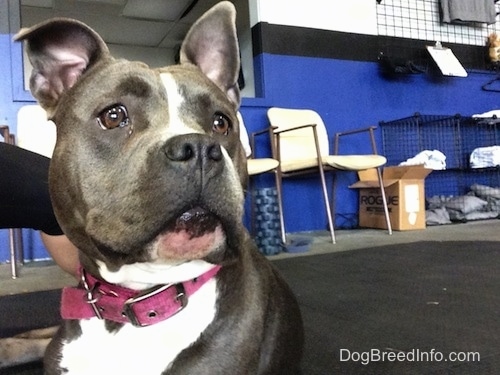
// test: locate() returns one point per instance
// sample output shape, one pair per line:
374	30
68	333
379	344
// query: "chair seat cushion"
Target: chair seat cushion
344	162
299	164
355	162
256	166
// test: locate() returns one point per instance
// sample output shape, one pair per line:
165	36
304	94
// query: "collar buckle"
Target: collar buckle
90	298
128	310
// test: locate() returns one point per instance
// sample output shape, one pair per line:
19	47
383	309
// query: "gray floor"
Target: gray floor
43	276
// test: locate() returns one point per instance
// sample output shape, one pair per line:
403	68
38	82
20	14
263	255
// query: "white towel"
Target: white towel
484	157
493	113
429	159
482	11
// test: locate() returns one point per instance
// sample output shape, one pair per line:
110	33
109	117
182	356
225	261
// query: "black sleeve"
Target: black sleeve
24	192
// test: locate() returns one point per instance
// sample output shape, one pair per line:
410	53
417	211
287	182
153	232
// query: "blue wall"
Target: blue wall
350	94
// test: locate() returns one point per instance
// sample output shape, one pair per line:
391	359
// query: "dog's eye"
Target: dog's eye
221	124
113	117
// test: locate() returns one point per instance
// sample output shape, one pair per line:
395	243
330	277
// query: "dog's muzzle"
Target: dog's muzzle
197	231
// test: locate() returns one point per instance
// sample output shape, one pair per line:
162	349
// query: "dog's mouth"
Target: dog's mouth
192	235
196	222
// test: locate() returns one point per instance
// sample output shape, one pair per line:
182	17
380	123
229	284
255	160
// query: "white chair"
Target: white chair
300	141
34	132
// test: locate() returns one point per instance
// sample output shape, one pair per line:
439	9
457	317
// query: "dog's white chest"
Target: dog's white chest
139	350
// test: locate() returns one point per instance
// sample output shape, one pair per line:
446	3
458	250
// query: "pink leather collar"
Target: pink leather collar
98	298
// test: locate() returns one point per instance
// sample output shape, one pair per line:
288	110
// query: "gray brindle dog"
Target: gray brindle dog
147	180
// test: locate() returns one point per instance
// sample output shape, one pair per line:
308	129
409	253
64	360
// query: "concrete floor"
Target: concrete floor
44	276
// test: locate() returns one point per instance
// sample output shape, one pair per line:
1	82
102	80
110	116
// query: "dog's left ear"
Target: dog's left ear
212	45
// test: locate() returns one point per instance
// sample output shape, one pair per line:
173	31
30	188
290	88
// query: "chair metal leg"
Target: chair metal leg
16	253
279	190
333	203
13	257
327	203
384	201
323	185
19	245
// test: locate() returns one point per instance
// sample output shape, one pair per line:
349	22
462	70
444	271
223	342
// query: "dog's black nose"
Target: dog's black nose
193	148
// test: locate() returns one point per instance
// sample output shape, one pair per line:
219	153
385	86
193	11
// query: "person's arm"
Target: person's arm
64	253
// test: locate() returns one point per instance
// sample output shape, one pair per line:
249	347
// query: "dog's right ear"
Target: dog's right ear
60	51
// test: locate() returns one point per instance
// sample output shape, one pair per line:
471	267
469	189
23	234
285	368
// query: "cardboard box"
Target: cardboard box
405	193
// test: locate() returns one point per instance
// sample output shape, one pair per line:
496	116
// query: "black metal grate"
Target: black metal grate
420	19
455	136
403	139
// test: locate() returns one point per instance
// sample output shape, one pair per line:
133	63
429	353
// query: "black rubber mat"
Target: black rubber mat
421	301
